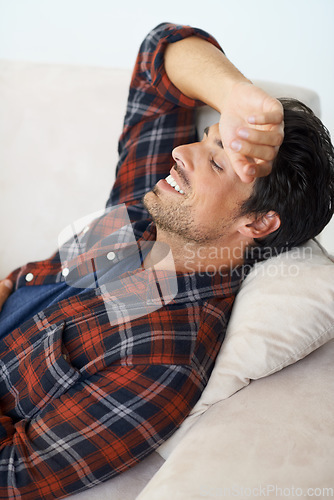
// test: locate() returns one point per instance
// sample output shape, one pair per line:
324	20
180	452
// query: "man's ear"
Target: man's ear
262	226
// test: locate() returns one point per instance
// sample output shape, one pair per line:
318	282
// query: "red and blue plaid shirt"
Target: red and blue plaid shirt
88	387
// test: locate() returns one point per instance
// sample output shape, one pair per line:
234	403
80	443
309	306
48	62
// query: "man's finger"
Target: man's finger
6	287
245	168
251	171
262	168
260	152
270	118
263	137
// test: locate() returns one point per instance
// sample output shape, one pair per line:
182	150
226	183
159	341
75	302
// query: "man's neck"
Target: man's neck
190	257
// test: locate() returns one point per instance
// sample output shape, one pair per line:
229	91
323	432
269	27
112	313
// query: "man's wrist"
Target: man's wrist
231	87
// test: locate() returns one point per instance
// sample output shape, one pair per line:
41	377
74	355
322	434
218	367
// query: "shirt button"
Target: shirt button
111	255
65	272
29	277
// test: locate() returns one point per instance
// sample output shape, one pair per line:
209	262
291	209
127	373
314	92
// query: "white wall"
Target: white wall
288	41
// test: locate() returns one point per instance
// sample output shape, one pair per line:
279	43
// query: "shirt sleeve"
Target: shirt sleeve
94	431
158	118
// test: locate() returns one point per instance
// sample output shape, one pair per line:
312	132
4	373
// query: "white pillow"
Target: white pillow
284	311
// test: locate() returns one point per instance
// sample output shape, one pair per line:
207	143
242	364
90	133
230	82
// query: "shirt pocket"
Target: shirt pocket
41	373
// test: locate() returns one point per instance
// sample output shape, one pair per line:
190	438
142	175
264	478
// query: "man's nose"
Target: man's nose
188	156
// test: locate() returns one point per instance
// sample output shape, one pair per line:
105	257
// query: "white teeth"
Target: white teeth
174	184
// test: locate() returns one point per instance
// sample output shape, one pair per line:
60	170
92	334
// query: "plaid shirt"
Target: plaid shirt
89	387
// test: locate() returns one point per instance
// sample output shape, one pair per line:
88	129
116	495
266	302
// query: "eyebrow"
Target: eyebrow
218	142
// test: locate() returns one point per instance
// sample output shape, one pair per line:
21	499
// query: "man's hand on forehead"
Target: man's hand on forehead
251	129
251	120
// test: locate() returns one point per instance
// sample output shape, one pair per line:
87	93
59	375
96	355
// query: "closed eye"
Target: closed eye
215	166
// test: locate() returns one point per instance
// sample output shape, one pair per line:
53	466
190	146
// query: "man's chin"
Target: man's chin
149	199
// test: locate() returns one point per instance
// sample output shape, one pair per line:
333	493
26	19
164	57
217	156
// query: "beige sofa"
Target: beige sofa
273	437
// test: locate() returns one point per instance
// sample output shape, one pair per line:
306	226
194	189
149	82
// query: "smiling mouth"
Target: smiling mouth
174	184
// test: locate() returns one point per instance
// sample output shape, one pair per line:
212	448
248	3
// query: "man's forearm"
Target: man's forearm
201	71
251	123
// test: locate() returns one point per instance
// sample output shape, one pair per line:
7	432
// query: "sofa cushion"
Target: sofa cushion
283	312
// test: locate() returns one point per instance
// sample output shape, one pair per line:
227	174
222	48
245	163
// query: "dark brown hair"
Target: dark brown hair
300	187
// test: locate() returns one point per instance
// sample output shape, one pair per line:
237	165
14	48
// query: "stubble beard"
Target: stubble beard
178	219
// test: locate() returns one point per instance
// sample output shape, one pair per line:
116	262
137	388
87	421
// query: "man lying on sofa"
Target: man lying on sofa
94	374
